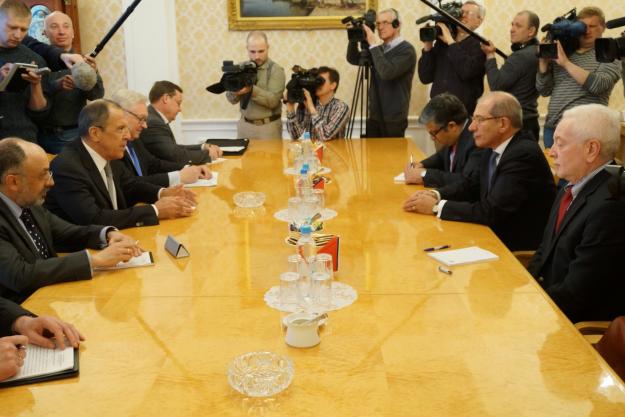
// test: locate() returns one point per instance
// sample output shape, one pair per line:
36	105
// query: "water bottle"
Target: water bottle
303	184
306	250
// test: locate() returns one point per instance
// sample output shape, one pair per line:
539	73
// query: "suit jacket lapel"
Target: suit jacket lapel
26	240
92	169
158	120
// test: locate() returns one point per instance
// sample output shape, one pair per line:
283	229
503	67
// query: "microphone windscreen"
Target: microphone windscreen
615	23
84	76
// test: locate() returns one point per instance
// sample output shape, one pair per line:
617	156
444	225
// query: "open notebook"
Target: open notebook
42	364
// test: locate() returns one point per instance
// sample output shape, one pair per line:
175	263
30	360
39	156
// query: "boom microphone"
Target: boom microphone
615	23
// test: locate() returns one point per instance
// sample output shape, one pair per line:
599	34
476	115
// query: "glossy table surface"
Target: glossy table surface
485	341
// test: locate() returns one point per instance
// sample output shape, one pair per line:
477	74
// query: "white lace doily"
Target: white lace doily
342	296
320	171
283	215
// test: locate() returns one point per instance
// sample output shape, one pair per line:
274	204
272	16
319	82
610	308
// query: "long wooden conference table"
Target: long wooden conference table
485	341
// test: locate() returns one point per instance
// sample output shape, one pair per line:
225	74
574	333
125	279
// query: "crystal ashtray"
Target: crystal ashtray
249	199
260	374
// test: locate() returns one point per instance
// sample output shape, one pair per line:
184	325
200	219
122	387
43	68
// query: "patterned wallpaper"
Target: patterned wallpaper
205	41
96	18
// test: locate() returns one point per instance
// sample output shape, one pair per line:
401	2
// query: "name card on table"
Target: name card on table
175	248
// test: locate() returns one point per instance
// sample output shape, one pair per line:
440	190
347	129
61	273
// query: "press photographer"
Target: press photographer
393	62
454	63
578	77
261	117
318	111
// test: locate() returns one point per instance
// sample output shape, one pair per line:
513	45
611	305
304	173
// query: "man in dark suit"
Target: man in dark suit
30	235
165	104
446	120
514	189
89	188
138	160
19	327
580	260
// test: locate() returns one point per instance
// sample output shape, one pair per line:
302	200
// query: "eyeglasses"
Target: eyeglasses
46	176
141	120
433	134
480	119
382	23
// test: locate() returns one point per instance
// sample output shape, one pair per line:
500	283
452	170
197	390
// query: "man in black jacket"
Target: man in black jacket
455	64
447	122
19	327
138	160
90	188
514	189
517	75
580	260
393	65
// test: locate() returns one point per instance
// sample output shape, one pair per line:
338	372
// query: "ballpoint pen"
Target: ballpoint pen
411	161
433	248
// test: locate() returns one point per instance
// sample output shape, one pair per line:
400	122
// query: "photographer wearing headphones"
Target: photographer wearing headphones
516	75
261	119
325	120
393	66
455	64
576	79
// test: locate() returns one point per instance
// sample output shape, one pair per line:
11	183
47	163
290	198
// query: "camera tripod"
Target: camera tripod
360	97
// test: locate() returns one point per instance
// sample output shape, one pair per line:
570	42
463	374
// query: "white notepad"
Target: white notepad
42	361
464	256
401	178
217	161
145	259
232	148
204	183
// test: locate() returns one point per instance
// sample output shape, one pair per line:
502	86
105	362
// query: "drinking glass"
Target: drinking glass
323	263
321	290
288	288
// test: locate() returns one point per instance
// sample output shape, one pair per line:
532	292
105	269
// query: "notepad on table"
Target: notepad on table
204	183
463	256
43	364
232	148
217	161
400	178
145	259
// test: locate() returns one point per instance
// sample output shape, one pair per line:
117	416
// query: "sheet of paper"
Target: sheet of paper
145	259
42	361
464	256
217	161
204	183
232	148
400	178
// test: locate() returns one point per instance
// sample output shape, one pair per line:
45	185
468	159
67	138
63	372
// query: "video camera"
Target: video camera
235	77
355	31
430	33
300	80
608	50
566	29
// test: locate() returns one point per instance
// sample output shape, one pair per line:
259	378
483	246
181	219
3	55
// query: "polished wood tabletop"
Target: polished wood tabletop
485	341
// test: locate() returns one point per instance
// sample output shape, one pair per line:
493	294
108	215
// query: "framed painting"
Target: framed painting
294	14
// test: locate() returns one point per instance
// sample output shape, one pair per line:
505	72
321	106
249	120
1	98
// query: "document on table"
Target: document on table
42	364
232	148
464	256
145	259
204	183
400	178
217	161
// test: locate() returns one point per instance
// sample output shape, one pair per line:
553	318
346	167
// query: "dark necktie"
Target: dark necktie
33	230
134	159
110	184
564	206
492	166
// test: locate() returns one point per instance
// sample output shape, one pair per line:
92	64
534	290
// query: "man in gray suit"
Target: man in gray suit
30	235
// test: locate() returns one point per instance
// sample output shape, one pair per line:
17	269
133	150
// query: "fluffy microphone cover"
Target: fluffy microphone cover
84	76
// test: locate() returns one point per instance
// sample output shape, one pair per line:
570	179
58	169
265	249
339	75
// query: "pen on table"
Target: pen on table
444	270
21	346
433	248
411	161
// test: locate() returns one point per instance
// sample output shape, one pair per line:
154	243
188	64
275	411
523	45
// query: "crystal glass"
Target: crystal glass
321	291
288	288
323	263
260	374
249	199
295	210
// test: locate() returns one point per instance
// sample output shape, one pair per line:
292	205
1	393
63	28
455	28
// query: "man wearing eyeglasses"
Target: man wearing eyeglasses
61	125
455	64
447	122
30	235
89	188
513	190
140	162
393	65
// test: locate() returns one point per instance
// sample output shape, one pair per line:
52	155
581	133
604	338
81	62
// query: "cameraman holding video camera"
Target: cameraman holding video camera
576	79
393	62
455	62
261	118
326	119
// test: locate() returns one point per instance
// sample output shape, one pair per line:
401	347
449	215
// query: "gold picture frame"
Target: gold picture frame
318	21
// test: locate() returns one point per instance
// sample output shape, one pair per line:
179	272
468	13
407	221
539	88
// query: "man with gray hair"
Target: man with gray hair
579	262
69	88
447	122
517	75
513	190
455	63
140	162
262	117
